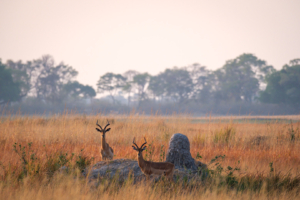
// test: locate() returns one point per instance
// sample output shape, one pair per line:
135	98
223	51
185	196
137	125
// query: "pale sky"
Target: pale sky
97	36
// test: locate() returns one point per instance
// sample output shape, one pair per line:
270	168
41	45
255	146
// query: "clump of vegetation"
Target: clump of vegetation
29	164
32	166
149	151
162	154
82	162
293	133
224	135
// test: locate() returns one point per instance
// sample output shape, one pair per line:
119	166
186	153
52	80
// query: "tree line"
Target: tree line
41	79
245	78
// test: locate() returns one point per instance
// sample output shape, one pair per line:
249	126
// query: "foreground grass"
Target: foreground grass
70	187
261	159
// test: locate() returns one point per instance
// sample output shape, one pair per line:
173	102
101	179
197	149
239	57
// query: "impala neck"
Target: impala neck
103	141
141	160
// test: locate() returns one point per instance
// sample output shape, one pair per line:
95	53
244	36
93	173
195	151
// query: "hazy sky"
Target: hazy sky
97	36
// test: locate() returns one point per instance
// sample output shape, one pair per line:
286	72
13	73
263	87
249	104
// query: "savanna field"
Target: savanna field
257	157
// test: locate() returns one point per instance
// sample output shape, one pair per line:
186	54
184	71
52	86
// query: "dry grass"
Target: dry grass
248	144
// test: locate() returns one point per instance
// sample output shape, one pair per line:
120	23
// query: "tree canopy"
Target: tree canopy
77	90
283	87
111	83
240	78
10	90
174	83
43	79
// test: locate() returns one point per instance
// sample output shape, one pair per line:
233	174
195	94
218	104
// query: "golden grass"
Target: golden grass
249	145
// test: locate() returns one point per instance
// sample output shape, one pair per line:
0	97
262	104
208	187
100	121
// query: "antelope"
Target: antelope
106	151
157	168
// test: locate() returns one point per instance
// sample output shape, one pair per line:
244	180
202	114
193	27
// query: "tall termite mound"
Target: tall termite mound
179	152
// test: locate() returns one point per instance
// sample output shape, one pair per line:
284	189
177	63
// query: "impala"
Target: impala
157	168
106	151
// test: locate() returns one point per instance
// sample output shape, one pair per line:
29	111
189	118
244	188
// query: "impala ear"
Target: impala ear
107	130
98	129
134	148
144	148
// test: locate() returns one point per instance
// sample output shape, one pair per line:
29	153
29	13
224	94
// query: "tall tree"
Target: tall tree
111	83
128	87
21	73
140	84
77	90
175	83
157	86
203	82
240	78
9	90
283	87
49	78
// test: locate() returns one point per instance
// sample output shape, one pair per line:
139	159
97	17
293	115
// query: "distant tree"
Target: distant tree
203	82
140	83
49	79
283	87
111	83
175	83
157	86
77	90
10	91
128	87
21	73
87	91
240	78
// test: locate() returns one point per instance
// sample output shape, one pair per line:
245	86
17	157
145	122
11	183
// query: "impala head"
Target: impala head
103	130
139	149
